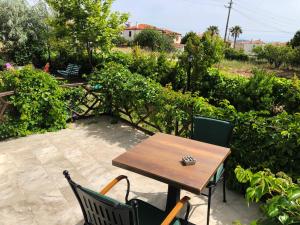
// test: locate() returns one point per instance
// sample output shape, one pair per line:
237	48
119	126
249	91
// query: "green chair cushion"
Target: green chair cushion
97	87
72	70
218	173
150	215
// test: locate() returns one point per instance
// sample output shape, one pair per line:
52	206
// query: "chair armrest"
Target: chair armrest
113	183
176	210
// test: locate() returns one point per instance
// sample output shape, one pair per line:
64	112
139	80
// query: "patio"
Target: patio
34	191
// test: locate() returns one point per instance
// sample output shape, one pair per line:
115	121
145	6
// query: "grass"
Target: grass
245	68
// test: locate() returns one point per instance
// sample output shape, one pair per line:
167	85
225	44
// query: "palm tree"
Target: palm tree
213	30
235	31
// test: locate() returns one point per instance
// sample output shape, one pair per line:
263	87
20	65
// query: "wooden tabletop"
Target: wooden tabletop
159	157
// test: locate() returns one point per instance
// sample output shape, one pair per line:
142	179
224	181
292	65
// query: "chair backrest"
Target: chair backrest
72	69
98	209
212	131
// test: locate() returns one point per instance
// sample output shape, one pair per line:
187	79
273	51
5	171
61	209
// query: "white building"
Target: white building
131	31
248	46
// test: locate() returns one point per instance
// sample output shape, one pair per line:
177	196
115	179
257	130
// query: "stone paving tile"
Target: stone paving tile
17	213
33	190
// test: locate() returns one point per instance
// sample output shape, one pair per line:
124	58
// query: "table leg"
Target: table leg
173	197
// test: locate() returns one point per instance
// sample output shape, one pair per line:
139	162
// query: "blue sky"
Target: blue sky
269	20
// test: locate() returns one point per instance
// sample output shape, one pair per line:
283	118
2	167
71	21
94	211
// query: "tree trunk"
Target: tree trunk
90	54
189	73
235	37
49	52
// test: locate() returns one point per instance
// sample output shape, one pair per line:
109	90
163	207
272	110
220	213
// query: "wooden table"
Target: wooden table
159	157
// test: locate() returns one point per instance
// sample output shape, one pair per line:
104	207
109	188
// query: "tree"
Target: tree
295	59
235	31
276	55
154	40
295	42
23	30
89	26
198	56
121	41
187	36
213	30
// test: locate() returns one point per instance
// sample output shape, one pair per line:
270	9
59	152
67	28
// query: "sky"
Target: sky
268	20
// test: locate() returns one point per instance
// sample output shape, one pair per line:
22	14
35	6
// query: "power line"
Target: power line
268	15
267	31
259	22
271	14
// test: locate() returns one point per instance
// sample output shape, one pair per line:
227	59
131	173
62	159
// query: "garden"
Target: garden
156	92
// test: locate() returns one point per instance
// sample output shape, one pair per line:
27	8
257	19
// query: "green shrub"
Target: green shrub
119	57
120	41
157	66
261	92
199	55
154	40
2	63
283	196
258	141
142	96
233	54
38	103
275	55
23	30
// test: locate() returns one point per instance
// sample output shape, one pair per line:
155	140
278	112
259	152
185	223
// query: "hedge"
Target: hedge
38	103
258	142
263	91
233	54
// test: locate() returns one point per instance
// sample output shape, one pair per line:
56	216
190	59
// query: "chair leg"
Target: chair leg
224	187
208	205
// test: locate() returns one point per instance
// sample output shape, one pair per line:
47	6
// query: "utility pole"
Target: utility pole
228	17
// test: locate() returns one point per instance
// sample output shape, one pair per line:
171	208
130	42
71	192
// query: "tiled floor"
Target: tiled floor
33	190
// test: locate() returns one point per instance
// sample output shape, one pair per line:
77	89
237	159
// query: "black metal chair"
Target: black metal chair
99	209
215	132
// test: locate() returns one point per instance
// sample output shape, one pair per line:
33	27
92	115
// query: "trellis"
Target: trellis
179	127
87	108
4	103
88	104
92	102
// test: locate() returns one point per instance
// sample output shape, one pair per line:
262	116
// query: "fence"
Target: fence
78	108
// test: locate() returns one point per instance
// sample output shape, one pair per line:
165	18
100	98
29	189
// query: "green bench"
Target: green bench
71	71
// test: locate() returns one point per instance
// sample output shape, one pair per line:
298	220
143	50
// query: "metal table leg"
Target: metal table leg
173	197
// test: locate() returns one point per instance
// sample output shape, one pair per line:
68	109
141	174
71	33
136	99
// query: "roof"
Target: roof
147	26
141	27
